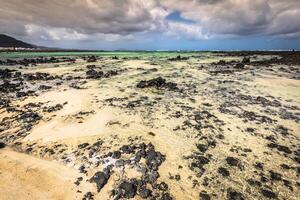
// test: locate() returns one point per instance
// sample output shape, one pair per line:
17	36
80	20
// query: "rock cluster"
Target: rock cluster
94	74
144	158
34	61
158	83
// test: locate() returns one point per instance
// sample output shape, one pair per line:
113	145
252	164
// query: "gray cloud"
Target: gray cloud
121	19
241	17
82	16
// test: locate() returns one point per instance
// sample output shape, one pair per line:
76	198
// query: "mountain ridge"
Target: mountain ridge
8	41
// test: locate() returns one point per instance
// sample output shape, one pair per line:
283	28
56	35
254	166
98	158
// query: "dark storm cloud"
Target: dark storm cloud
83	19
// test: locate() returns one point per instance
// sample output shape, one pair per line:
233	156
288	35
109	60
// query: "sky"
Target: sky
154	24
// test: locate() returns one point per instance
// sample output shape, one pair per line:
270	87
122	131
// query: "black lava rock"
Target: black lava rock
93	74
234	195
259	166
6	73
120	163
166	196
153	158
246	60
275	176
91	59
178	58
268	193
110	73
163	186
204	196
29	117
254	182
2	145
152	176
127	189
82	169
144	193
284	149
232	161
126	149
83	145
239	66
223	171
88	196
77	182
158	83
116	154
100	178
202	147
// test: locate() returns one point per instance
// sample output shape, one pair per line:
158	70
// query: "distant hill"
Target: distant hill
7	41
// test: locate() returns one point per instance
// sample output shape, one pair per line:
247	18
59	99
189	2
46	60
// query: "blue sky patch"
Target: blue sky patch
176	17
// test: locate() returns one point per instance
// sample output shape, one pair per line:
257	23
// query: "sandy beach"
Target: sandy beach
202	126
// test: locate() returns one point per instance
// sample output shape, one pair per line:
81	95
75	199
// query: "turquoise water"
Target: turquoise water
96	53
